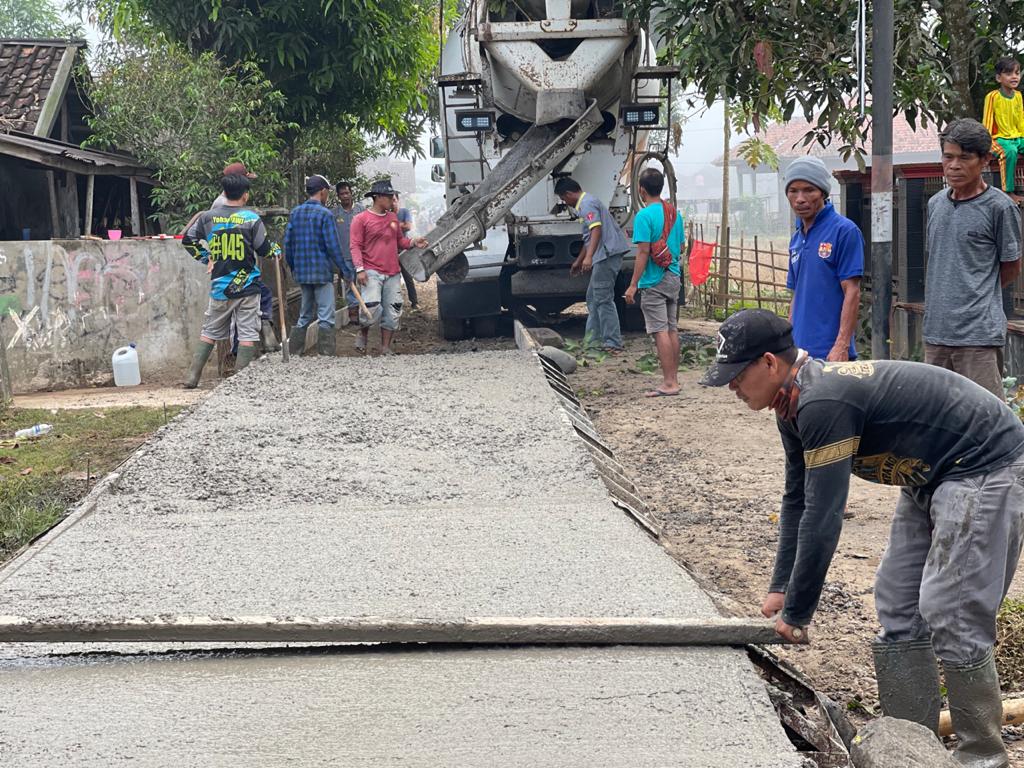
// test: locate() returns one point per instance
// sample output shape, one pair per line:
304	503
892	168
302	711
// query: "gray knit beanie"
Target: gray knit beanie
810	169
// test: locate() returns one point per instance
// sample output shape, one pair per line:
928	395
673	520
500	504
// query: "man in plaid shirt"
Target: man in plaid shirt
313	251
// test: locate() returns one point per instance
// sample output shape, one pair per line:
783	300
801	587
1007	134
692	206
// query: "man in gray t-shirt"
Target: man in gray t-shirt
344	212
974	250
604	245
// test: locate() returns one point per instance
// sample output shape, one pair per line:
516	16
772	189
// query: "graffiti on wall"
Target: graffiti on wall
54	296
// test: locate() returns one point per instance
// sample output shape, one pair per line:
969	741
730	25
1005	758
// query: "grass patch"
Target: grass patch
40	479
587	351
1010	644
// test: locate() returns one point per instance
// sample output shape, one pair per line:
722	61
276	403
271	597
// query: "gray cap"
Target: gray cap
810	169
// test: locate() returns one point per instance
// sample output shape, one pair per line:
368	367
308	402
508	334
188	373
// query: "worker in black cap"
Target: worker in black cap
958	453
313	251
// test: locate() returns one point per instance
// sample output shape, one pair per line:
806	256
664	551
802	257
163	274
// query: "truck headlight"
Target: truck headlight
640	114
474	121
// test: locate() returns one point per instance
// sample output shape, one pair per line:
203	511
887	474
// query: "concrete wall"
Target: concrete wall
66	305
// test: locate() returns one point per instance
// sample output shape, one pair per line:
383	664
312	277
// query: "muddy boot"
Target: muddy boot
245	356
296	340
268	338
326	346
908	681
976	709
202	354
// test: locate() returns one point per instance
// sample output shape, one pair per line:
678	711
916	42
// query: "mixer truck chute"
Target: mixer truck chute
546	80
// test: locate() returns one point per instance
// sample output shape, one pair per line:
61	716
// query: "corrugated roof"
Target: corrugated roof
49	153
30	72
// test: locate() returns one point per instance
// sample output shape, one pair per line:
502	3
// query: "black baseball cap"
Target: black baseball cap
742	339
316	183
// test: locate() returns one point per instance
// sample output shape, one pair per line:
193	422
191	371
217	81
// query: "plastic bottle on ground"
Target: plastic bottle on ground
125	362
29	432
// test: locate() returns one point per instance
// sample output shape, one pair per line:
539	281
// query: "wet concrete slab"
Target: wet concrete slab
420	487
167	557
585	707
442	486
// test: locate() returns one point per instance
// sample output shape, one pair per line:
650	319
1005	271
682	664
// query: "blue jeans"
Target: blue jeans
602	318
317	300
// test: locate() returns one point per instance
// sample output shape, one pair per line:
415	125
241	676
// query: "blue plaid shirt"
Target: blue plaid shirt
311	245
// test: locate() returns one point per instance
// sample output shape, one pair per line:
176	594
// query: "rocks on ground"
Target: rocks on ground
892	743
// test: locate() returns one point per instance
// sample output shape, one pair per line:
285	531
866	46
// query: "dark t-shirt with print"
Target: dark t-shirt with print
897	423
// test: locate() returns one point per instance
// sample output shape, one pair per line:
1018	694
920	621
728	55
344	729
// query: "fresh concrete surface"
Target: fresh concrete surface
529	707
467	494
435	486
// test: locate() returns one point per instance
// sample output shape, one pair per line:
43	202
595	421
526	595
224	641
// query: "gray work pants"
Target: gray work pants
602	317
949	562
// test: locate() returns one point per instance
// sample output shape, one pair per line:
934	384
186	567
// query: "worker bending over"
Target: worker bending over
958	452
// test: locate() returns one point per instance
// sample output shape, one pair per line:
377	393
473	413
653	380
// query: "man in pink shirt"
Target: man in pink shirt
376	239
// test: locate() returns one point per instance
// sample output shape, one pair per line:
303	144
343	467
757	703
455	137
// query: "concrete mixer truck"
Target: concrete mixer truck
531	90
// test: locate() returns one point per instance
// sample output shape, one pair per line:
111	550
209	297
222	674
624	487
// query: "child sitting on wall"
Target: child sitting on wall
1004	118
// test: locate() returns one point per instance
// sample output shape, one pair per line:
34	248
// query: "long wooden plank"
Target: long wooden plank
299	629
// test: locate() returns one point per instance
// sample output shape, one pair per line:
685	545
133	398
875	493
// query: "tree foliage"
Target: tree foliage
32	19
798	57
368	60
188	117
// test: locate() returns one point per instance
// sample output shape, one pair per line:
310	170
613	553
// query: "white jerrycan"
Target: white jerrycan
126	367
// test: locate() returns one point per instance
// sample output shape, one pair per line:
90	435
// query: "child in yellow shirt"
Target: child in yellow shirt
1004	118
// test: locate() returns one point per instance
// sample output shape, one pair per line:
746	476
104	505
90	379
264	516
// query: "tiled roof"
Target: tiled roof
787	139
29	70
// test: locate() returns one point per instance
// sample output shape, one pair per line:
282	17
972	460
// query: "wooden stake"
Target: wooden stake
506	631
1013	714
757	272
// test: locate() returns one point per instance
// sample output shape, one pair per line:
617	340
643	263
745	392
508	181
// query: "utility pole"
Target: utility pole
881	175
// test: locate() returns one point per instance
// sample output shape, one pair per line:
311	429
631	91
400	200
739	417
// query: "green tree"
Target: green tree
367	60
187	117
798	57
334	150
33	18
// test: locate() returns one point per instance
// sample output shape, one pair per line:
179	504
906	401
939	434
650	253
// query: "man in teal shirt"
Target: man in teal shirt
659	286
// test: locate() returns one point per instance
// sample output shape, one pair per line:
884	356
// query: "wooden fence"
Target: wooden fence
749	272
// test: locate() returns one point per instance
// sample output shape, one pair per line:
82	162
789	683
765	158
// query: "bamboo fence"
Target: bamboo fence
750	272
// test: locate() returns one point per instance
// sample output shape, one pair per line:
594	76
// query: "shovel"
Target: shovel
363	311
280	307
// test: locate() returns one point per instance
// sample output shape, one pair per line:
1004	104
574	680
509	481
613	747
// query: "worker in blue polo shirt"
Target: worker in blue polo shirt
826	262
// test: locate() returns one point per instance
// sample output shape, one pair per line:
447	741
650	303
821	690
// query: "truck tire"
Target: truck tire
451	328
485	327
631	318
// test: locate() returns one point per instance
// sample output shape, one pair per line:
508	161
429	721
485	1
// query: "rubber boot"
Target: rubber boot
326	346
296	340
199	358
245	356
908	681
976	709
268	338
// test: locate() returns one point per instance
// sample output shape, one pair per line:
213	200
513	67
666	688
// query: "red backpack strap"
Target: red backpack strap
669	215
659	251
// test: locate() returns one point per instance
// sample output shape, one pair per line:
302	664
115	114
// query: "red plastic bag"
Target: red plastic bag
700	261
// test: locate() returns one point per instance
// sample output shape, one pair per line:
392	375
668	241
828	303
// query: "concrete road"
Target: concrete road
432	486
